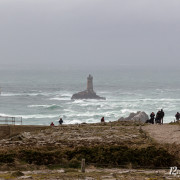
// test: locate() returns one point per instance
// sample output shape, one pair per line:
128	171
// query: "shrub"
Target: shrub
17	174
122	155
40	157
6	158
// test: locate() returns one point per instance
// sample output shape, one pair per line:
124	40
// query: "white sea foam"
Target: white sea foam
39	116
73	122
123	111
10	115
160	99
6	115
66	94
34	106
60	98
26	94
10	94
44	105
79	101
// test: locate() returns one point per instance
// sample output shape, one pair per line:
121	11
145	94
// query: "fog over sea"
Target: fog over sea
41	97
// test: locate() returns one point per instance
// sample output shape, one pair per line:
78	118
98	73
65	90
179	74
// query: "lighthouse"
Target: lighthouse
88	93
90	83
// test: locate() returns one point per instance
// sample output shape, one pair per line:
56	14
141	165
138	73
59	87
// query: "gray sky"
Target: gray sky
95	33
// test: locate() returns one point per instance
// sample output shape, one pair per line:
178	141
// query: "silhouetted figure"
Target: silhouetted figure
52	124
162	115
152	116
102	120
158	117
177	116
60	121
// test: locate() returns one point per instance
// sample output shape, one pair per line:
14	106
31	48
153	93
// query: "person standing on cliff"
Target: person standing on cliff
52	124
162	115
177	116
158	117
102	120
60	121
152	115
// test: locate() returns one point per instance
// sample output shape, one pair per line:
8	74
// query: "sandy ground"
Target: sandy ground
165	133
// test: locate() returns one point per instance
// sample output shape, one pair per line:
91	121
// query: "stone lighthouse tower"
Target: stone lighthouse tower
90	83
88	93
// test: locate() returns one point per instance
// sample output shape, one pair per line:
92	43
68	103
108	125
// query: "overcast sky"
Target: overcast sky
95	33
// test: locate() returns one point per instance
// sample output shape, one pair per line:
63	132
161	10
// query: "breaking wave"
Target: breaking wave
10	94
26	94
60	98
39	116
50	107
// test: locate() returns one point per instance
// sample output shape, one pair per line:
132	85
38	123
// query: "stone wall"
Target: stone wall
7	131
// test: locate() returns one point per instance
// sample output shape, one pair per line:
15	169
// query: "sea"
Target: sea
43	96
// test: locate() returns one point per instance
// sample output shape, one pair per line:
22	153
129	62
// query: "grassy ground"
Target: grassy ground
109	145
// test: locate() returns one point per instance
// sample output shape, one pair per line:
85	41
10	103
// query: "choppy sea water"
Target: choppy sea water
40	97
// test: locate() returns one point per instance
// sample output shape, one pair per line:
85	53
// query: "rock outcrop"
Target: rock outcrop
86	95
139	116
89	93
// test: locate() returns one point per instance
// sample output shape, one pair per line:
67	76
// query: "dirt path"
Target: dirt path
164	133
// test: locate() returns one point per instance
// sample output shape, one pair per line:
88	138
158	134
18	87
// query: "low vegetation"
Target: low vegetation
100	156
109	145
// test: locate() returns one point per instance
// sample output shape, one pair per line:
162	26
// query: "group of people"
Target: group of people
158	118
60	122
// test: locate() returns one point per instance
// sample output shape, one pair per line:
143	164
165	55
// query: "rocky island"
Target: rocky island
88	93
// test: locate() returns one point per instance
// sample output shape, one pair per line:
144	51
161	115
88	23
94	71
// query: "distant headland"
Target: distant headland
88	93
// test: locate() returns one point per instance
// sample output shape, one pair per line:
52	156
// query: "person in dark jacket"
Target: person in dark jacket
102	120
162	115
177	116
158	117
60	121
152	116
